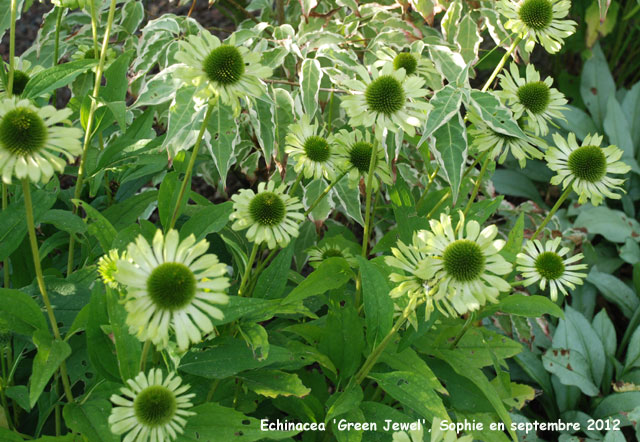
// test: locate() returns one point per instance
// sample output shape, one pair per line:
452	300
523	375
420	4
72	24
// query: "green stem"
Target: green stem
90	117
325	192
5	383
94	26
5	262
145	354
503	60
56	48
247	270
369	190
40	277
463	330
553	210
437	206
192	161
295	184
430	181
476	187
280	11
12	46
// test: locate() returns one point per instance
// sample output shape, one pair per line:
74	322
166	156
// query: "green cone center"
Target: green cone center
536	14
224	65
534	96
463	260
331	253
385	95
171	286
360	156
317	149
407	61
588	163
20	80
22	131
549	265
267	208
155	406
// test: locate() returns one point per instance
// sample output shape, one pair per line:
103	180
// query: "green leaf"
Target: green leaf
451	20
51	353
310	78
56	77
494	114
619	131
615	291
222	137
213	422
614	225
256	338
446	103
450	64
349	200
513	245
597	85
468	39
101	228
408	360
127	212
333	273
571	367
378	305
412	391
343	341
207	220
184	122
274	383
99	346
22	313
633	351
64	220
282	117
271	283
312	192
616	404
168	197
529	306
343	401
515	183
90	420
128	348
631	111
450	152
264	126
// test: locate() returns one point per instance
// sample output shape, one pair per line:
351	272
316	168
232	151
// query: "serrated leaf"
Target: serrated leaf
378	305
446	103
56	77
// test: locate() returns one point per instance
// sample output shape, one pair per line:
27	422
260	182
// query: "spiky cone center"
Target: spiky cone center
360	155
267	209
385	95
332	253
22	131
536	14
20	80
155	406
407	61
317	149
171	286
549	265
224	65
534	96
463	260
588	163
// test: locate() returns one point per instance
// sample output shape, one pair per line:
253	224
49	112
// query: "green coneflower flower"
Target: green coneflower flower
464	267
412	61
548	265
499	144
108	266
23	72
529	96
85	52
539	21
353	153
227	70
388	99
31	141
150	409
271	215
588	166
172	284
310	149
330	249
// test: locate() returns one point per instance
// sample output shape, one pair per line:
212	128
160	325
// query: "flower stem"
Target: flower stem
5	262
553	210
12	46
247	270
295	184
430	181
56	48
40	277
369	190
463	330
476	187
145	354
324	193
90	117
192	161
503	60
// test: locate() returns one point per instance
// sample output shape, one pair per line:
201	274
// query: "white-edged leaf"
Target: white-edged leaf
450	150
222	137
446	103
468	39
310	78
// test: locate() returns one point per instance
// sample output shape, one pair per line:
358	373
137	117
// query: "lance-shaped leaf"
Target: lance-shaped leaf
571	367
494	114
446	103
222	138
183	123
450	151
468	39
310	77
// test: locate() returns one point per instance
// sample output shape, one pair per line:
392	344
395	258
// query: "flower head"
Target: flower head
548	265
353	152
271	215
534	99
412	61
310	149
499	144
230	71
85	52
386	99
31	141
23	72
464	266
108	267
588	167
539	21
330	249
151	409
172	284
